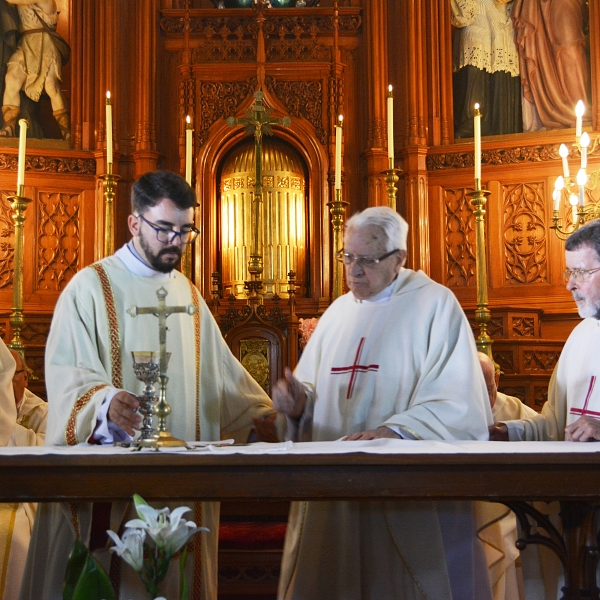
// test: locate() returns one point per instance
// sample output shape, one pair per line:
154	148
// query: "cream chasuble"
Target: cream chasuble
409	362
88	354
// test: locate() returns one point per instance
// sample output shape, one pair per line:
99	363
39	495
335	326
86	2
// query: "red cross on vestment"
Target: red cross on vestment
584	410
354	369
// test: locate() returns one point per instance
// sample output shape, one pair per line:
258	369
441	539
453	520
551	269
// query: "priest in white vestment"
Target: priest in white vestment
572	411
28	428
395	357
92	386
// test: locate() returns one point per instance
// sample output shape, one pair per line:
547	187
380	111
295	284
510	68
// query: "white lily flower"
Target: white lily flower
168	530
131	547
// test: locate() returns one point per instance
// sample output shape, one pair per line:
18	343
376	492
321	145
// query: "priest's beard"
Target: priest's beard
587	308
163	261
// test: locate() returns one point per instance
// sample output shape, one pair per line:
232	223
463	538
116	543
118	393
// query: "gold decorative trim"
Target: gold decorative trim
74	508
196	301
113	325
7	541
70	431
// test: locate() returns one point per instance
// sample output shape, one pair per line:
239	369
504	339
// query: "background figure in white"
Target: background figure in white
24	419
486	68
35	66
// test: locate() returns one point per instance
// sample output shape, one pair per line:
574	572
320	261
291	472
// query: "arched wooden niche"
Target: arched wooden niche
283	235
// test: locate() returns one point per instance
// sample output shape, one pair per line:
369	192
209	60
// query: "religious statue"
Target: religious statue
35	65
555	71
486	67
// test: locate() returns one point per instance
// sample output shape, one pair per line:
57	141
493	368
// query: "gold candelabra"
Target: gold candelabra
109	184
17	320
392	176
572	189
482	314
337	208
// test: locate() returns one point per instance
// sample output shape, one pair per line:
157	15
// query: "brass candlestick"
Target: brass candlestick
109	183
17	321
337	208
392	176
482	314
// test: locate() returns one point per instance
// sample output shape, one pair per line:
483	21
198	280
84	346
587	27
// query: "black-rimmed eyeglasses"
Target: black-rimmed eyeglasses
166	235
362	261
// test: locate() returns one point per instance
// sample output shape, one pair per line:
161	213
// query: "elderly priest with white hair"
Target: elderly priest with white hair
393	358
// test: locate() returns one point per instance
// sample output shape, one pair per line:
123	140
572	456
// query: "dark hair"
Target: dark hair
588	235
154	186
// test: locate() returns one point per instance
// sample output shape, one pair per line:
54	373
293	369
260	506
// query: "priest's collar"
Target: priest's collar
383	296
135	264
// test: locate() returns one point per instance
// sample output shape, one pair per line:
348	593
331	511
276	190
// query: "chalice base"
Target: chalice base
163	440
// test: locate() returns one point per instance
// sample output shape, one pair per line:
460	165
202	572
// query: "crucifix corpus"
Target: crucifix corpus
257	121
162	311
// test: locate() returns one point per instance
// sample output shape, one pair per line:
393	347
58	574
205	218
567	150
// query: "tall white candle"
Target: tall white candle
556	198
188	150
584	142
23	124
390	123
579	112
338	154
581	181
564	153
477	135
109	130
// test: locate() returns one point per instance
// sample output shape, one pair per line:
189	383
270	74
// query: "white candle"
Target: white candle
338	154
556	198
581	181
390	124
584	142
477	133
109	130
188	150
23	124
579	112
564	153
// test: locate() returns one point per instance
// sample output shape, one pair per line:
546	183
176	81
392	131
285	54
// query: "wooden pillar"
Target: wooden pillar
415	137
377	83
145	155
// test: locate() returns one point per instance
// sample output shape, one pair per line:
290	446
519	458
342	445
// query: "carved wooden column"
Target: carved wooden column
145	155
414	15
375	18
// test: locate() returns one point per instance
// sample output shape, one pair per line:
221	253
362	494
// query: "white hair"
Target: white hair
387	220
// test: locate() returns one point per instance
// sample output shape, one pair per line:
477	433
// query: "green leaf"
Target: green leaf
93	582
184	590
75	567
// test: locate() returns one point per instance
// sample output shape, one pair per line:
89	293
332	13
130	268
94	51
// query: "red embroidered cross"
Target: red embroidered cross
354	369
584	410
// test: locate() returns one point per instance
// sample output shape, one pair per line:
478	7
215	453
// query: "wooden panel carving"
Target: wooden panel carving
59	241
540	360
506	360
7	230
523	326
524	235
540	395
48	164
35	332
505	156
221	100
302	99
460	239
